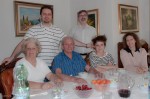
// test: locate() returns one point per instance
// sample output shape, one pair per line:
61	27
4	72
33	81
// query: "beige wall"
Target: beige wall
65	17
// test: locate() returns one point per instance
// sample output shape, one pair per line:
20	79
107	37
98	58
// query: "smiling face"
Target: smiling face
68	45
82	18
99	46
130	42
31	50
46	16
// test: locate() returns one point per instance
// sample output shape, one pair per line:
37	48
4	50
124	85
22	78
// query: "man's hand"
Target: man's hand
7	60
79	80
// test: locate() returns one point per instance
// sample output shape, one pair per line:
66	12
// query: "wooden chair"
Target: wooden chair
6	79
120	46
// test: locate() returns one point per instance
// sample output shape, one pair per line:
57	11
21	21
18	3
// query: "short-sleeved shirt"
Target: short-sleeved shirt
85	35
96	60
49	38
37	73
69	66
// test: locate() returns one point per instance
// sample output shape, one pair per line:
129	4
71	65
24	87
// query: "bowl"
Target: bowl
83	90
101	85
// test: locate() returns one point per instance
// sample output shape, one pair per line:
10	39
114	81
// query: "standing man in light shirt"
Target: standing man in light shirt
83	33
48	35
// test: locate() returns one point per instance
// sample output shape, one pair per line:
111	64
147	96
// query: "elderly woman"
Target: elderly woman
99	58
37	68
133	57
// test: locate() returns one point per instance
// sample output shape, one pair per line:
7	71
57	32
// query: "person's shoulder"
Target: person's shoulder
142	50
123	51
21	61
107	53
59	55
92	53
76	53
36	26
39	60
91	27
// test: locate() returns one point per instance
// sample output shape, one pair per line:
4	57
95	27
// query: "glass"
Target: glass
0	95
56	94
125	84
107	95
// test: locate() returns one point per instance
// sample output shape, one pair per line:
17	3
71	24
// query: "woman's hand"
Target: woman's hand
46	85
141	70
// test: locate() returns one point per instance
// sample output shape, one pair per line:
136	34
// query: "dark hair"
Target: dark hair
136	38
81	12
101	38
46	7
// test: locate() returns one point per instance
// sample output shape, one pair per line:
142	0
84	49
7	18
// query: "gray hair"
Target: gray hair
65	38
31	40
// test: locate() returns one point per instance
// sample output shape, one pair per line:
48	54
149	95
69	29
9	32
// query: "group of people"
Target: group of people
41	47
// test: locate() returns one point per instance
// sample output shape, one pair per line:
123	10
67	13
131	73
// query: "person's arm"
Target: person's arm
38	85
15	53
69	78
92	70
144	63
81	44
54	78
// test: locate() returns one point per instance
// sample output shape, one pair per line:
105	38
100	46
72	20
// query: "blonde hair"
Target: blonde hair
31	40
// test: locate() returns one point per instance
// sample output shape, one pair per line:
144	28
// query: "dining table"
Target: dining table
139	90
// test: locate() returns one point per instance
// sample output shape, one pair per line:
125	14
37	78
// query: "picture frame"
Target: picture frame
26	15
93	19
128	18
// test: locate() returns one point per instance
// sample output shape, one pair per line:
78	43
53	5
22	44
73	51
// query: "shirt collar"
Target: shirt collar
129	51
41	24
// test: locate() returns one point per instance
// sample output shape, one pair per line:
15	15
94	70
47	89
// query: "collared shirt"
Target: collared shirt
131	60
49	38
85	35
69	66
101	61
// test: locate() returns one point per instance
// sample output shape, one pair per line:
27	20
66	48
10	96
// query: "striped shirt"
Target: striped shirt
101	61
49	38
69	66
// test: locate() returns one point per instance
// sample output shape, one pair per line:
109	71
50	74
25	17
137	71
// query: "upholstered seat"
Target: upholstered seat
120	46
6	79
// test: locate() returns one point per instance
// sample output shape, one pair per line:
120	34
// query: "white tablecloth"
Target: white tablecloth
68	92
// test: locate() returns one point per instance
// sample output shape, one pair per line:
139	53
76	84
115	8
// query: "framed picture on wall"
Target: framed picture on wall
128	18
93	19
26	15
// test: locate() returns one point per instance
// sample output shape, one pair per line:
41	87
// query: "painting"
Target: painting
26	15
128	18
93	19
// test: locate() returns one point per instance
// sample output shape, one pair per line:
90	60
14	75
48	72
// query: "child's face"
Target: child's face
99	46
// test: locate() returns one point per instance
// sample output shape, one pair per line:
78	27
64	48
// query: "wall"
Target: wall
108	15
65	17
8	41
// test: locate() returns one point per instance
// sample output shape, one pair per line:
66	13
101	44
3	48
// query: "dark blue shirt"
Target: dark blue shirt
69	66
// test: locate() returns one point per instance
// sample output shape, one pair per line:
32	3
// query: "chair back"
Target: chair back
120	46
6	79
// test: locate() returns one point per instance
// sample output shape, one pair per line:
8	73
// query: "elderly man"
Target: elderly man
68	63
